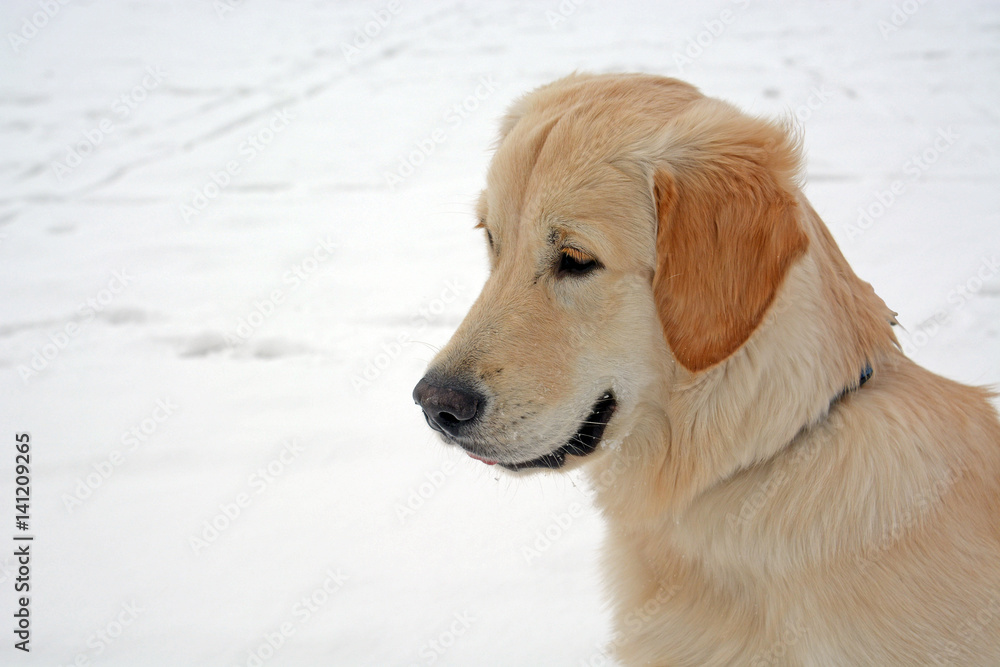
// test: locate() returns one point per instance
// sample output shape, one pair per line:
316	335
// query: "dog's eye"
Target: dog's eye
489	237
576	263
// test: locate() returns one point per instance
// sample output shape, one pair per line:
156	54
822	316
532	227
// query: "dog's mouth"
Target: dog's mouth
583	442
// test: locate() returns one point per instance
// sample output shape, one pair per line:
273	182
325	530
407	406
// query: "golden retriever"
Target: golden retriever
781	484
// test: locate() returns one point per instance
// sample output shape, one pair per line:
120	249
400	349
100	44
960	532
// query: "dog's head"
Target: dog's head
636	230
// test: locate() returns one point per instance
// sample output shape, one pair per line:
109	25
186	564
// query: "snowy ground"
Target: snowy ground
213	235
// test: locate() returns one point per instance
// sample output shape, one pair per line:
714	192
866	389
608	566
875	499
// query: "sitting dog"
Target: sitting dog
781	484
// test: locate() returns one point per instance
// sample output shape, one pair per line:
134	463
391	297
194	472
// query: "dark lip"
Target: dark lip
584	442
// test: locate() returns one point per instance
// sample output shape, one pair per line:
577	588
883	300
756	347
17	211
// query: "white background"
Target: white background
114	516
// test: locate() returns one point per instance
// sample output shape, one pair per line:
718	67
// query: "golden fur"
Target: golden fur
761	507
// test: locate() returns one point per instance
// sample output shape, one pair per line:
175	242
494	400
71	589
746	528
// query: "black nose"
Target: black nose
447	408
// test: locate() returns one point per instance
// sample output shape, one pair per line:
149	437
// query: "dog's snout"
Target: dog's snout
447	408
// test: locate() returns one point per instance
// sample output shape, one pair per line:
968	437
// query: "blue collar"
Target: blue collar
866	374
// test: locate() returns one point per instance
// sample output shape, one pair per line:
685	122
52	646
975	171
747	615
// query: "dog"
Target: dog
665	309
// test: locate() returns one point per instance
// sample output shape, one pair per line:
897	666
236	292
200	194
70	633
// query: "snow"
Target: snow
296	246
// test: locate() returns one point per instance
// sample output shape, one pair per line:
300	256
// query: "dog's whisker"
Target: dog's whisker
434	348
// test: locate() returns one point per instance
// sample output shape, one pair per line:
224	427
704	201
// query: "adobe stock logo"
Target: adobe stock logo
137	435
409	163
712	30
122	108
553	532
60	340
419	323
900	16
363	36
37	21
914	168
231	510
248	150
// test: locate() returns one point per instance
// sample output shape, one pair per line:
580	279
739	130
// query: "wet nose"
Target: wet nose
447	407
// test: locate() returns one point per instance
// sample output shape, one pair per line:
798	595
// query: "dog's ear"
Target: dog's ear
727	228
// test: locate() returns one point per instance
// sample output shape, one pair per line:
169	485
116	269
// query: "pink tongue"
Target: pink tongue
479	458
